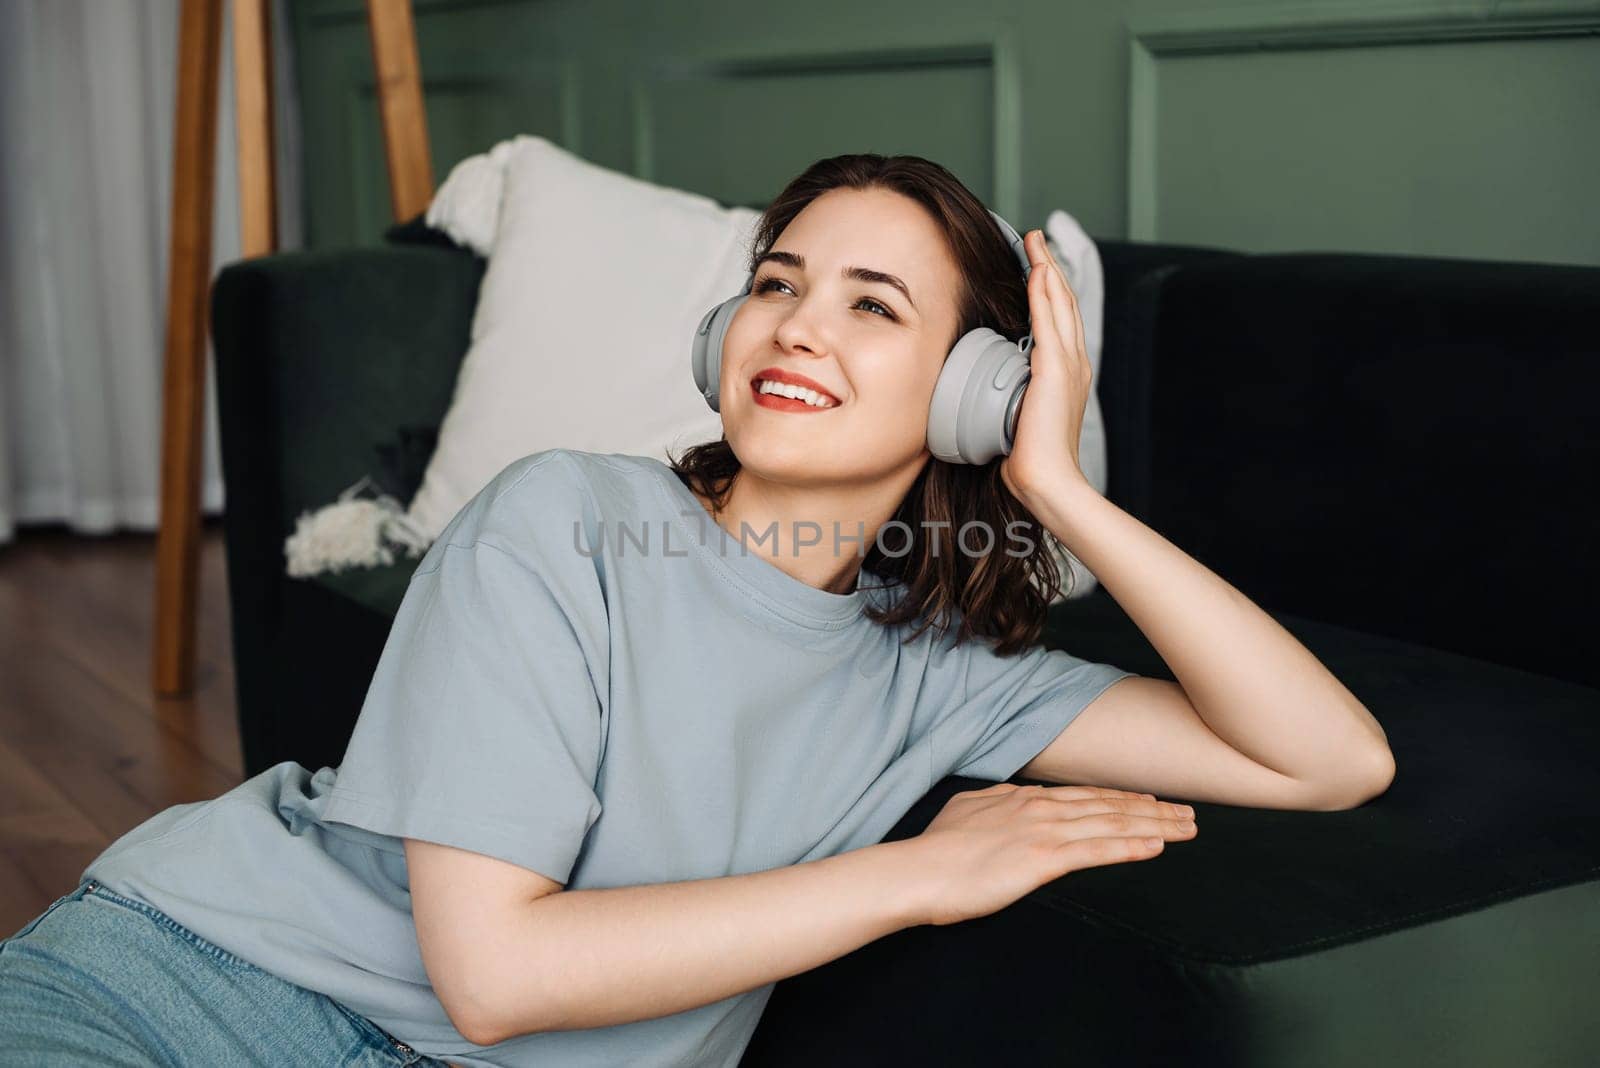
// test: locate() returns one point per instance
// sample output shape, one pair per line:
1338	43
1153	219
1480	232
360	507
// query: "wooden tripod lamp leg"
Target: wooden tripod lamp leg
252	94
188	285
405	123
405	135
183	390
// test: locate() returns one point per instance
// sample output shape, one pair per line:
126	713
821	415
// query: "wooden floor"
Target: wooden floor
86	750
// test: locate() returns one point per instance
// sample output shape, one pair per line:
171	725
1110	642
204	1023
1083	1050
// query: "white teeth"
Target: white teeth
782	389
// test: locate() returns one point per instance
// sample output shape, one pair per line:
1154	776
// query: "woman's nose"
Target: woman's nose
799	332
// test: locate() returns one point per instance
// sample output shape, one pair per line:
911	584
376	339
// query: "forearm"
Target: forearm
620	954
1252	682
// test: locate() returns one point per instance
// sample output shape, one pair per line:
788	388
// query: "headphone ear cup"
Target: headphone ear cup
972	417
705	355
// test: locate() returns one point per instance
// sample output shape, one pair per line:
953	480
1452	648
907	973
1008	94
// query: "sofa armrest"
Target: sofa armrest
322	360
322	357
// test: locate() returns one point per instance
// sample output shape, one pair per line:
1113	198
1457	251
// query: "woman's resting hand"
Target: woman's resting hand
987	848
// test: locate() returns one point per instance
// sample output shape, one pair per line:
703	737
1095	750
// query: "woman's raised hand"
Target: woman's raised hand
1044	452
987	848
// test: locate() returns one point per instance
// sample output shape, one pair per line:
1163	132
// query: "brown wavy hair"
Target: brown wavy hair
997	596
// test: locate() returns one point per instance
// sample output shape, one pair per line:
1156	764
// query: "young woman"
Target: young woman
639	729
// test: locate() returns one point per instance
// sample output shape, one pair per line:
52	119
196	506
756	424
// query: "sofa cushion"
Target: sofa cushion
1396	932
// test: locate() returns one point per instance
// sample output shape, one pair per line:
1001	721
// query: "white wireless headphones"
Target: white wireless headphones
973	416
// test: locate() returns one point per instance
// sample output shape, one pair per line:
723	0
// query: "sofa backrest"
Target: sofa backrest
1403	445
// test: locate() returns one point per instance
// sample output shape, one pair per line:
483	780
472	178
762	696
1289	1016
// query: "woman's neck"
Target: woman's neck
793	527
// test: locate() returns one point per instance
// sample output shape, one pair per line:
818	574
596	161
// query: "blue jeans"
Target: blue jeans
101	979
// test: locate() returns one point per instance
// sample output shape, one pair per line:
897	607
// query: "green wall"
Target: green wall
1441	128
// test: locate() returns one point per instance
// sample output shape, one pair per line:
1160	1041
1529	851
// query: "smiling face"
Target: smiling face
826	312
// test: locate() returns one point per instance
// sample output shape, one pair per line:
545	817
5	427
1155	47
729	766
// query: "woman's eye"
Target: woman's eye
769	283
772	282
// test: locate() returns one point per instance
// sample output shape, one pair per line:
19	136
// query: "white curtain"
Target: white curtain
87	98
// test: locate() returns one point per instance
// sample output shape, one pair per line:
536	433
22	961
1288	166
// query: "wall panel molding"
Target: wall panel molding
996	56
1452	127
1356	25
1309	27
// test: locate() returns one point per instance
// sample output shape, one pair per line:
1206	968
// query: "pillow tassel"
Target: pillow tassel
352	532
467	205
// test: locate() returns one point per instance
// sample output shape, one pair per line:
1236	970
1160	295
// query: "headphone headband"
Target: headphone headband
1014	239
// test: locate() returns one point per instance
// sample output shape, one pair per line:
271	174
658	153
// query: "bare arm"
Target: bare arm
510	953
1248	680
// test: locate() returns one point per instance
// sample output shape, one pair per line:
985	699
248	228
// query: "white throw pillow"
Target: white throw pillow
594	288
595	283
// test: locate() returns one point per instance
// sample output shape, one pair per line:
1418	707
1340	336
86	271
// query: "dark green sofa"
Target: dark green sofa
1386	453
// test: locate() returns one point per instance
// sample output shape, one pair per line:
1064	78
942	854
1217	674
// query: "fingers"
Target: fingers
1130	825
1098	852
1116	838
1041	310
1116	816
1038	252
1070	792
1098	799
1081	804
1164	810
1069	301
1058	297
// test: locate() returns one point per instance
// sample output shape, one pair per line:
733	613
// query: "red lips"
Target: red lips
778	374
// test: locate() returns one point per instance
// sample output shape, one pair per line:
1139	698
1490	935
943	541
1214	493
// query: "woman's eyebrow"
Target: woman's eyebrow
862	274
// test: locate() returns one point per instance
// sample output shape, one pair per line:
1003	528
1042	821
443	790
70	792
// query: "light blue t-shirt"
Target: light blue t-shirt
591	679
